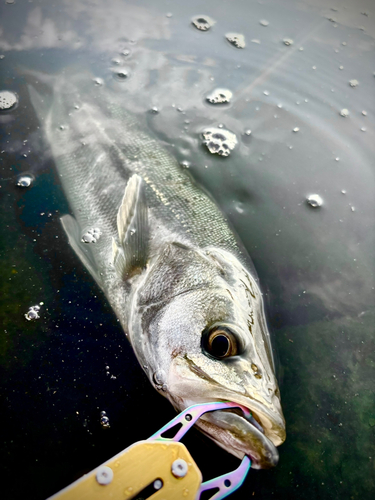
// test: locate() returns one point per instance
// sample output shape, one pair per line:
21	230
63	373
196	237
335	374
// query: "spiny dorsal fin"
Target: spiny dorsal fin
130	251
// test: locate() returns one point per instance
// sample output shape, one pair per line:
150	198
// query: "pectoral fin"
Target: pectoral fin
130	251
83	251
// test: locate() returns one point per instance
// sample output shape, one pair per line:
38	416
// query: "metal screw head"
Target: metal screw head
179	468
104	475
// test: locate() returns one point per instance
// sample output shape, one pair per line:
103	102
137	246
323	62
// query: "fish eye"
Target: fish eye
220	343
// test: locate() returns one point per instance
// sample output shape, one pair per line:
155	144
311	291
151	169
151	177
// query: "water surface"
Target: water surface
316	265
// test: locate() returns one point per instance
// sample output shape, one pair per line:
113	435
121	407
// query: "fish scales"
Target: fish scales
170	266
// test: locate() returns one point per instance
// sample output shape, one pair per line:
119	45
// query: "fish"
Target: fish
177	277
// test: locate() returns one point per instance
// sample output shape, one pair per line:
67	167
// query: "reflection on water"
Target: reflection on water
302	112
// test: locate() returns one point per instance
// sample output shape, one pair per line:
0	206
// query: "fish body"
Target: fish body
170	266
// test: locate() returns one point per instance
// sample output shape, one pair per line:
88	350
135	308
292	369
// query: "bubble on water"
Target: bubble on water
236	39
154	110
248	132
185	164
202	23
168	14
25	180
91	235
8	99
353	83
264	22
116	61
239	207
343	43
219	141
296	129
33	313
98	81
352	209
341	67
288	41
337	158
125	52
121	74
344	112
364	113
2	56
343	191
363	129
104	420
219	96
266	92
314	200
10	1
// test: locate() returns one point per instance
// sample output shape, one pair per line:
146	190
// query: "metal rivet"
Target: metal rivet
179	468
104	475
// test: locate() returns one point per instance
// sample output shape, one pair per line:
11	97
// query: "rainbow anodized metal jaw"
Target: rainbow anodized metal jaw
224	485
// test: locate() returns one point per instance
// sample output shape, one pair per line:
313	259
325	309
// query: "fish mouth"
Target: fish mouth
240	434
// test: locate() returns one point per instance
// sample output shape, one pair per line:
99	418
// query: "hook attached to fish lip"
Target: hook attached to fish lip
227	483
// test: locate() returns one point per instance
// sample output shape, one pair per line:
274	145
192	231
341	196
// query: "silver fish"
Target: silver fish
177	278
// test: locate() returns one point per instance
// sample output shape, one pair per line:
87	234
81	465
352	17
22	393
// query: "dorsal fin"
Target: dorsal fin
131	249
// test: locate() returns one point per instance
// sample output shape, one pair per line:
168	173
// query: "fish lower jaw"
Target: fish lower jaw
240	437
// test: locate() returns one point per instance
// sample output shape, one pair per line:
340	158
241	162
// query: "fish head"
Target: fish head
198	328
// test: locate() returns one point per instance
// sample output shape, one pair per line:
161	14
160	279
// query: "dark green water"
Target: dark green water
316	266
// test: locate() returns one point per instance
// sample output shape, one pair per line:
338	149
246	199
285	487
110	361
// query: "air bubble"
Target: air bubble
296	129
25	180
8	100
236	39
314	200
203	23
353	83
219	141
121	74
288	42
264	22
98	81
91	235
248	132
364	113
344	112
125	52
219	96
104	420
2	56
33	313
